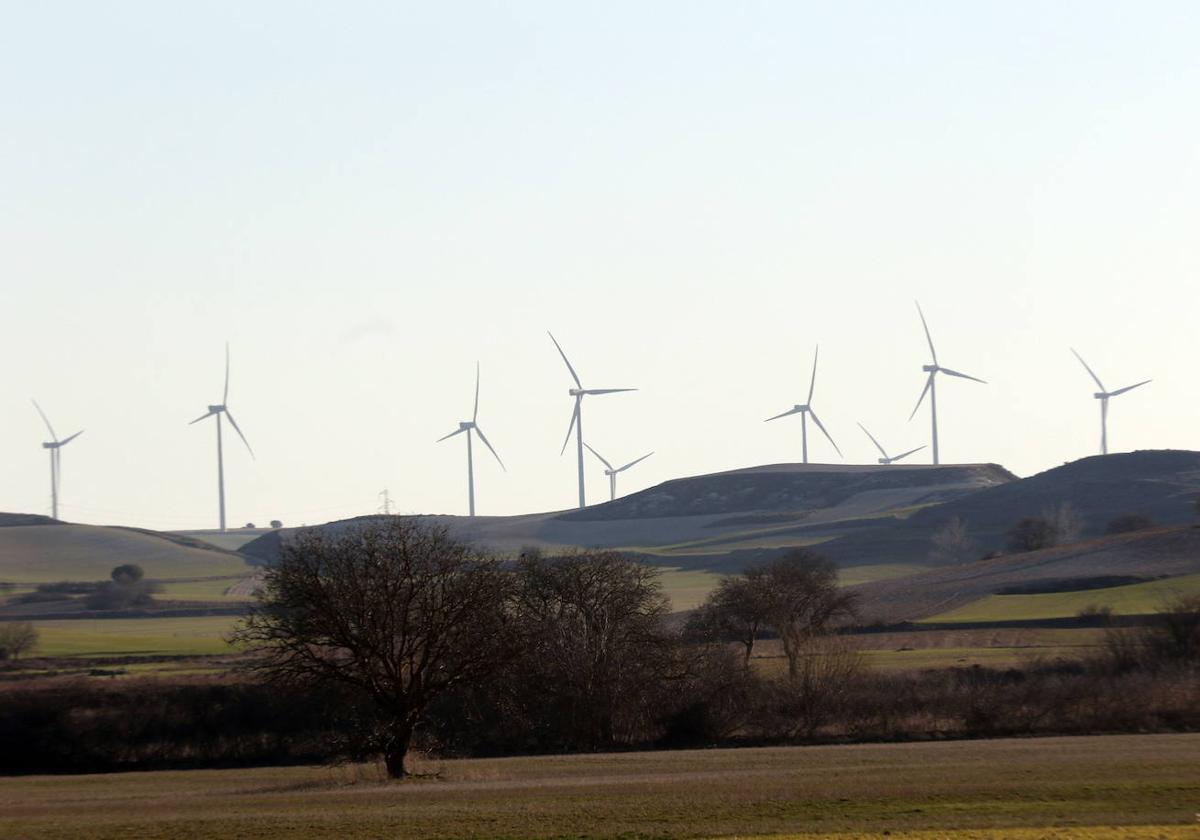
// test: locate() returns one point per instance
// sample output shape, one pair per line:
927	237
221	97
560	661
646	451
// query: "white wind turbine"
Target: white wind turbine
217	411
805	410
888	459
1104	395
931	384
579	392
55	446
611	472
469	426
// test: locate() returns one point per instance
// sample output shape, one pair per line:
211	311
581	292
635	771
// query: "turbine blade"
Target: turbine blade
71	438
813	384
1129	387
45	420
821	426
1089	370
475	414
594	391
906	454
603	460
631	463
483	438
928	337
225	397
921	399
949	372
574	375
571	428
787	413
872	437
452	434
202	417
233	423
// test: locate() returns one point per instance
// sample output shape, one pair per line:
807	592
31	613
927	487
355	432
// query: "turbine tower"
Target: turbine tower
888	459
217	411
579	392
612	473
805	410
931	385
1104	395
55	446
468	427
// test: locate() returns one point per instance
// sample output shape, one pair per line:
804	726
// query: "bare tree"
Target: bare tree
596	651
393	612
1066	521
16	638
952	543
804	600
736	609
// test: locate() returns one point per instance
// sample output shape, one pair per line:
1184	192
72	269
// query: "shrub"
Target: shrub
127	573
1031	534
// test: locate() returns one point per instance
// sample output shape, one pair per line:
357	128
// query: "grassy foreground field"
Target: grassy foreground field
1117	786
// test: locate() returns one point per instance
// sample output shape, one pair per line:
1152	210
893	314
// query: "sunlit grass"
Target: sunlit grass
134	636
1132	599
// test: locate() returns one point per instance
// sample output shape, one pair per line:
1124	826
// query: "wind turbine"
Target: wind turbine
217	411
931	384
55	446
805	410
1104	396
612	473
579	392
887	459
468	427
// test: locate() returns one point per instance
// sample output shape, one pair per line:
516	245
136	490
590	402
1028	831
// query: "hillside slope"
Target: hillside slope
1162	552
46	553
711	521
1159	483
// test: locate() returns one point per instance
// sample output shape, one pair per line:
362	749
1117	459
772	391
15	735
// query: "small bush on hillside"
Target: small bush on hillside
126	590
1129	522
1095	612
1032	534
128	573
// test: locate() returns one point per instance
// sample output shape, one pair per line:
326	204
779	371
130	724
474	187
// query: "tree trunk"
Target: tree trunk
397	750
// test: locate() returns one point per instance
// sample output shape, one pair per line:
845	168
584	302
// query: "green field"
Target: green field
1116	786
201	589
133	636
1133	599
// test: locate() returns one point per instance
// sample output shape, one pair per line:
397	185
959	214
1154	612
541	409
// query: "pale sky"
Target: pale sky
366	198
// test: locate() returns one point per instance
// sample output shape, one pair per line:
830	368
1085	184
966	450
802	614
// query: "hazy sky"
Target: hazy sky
366	198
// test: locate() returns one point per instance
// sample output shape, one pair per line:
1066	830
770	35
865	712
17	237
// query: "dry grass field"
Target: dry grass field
1116	786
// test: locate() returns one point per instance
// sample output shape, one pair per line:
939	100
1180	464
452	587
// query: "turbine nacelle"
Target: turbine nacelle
215	409
930	368
465	425
1100	395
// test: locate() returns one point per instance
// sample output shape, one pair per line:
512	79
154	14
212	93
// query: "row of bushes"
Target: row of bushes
144	724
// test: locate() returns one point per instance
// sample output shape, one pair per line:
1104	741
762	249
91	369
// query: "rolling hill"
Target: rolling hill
44	553
718	521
